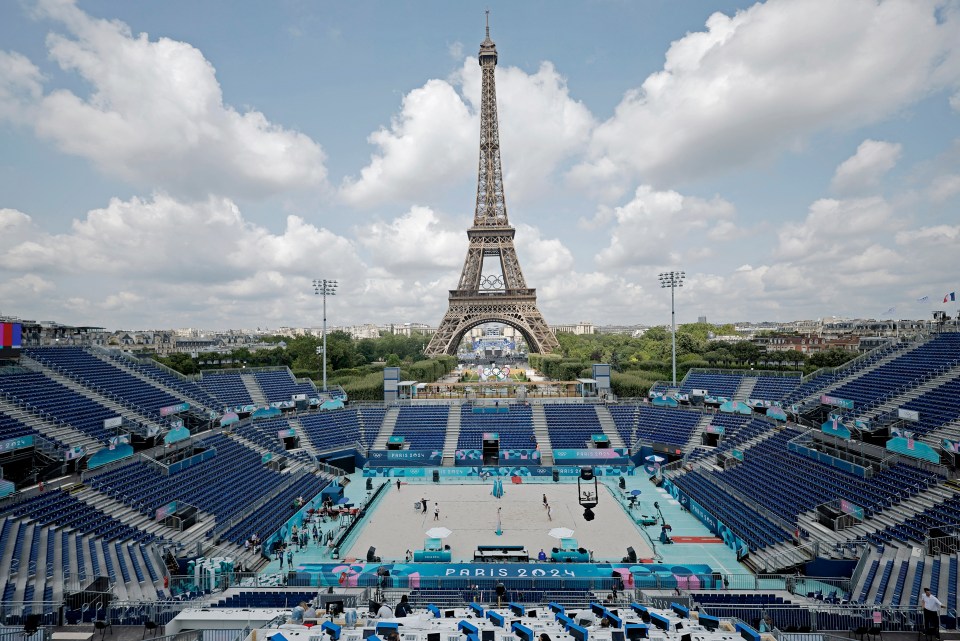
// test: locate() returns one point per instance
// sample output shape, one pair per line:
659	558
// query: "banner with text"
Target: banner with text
396	458
607	456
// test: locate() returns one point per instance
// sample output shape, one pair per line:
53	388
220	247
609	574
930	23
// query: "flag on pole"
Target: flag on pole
923	299
951	297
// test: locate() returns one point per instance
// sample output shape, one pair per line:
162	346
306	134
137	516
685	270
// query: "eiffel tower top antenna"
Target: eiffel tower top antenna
488	24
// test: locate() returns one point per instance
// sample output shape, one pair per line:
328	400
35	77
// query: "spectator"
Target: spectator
384	612
296	616
541	556
403	608
931	612
310	612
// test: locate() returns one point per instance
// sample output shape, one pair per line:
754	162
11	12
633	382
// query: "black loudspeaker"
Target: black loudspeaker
556	476
371	554
631	555
436	476
369	484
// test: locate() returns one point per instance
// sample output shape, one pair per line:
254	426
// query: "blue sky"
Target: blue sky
184	164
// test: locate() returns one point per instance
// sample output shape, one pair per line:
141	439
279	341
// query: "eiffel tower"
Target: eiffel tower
491	290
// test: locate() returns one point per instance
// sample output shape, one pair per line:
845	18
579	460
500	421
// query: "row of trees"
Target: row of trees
638	362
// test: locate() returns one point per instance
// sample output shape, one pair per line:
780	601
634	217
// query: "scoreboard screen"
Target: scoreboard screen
11	340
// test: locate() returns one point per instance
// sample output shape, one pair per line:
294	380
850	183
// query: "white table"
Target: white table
71	636
223	619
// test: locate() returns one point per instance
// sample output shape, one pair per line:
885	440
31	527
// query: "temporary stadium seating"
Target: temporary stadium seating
571	426
371	421
716	384
60	509
423	428
61	403
662	425
774	388
915	528
514	427
280	385
12	428
187	389
227	387
335	429
98	374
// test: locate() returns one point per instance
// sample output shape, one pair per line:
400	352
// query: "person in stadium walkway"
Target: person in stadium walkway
931	612
290	558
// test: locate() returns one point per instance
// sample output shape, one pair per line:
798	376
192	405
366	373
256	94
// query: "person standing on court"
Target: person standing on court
398	485
423	504
436	511
931	612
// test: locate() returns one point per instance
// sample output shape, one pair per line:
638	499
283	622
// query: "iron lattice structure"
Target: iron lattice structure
492	297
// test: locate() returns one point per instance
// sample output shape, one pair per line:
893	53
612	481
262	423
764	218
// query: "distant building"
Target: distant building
811	344
581	328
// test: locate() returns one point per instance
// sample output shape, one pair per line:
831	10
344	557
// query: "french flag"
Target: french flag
949	298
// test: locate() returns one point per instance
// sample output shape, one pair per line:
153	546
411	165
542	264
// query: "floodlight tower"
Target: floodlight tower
324	287
673	280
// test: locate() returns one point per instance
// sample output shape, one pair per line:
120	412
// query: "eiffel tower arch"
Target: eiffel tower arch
492	287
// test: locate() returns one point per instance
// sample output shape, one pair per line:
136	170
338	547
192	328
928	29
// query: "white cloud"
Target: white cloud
430	143
761	81
155	115
945	187
652	228
863	170
434	140
21	85
416	241
834	228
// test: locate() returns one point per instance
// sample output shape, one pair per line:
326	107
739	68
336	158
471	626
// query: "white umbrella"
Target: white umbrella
560	533
438	533
653	458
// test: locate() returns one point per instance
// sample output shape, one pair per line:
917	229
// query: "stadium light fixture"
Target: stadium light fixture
324	287
673	280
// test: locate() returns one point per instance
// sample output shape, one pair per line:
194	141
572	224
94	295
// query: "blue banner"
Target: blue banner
176	434
418	575
777	413
493	471
393	458
590	456
736	407
109	455
512	457
834	427
190	461
6	488
17	443
912	448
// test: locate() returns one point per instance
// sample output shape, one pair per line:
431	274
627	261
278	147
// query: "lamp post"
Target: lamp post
673	280
324	287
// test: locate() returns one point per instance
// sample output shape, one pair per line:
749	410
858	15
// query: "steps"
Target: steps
609	426
83	390
122	364
386	430
452	436
696	437
59	431
746	388
257	394
542	434
302	437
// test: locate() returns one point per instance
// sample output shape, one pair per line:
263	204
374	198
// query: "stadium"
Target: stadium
824	502
136	499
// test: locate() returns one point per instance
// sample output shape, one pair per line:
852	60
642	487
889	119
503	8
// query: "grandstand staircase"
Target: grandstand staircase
893	515
83	390
745	389
542	434
919	390
609	426
122	364
256	392
452	436
62	432
386	430
844	379
696	437
302	437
